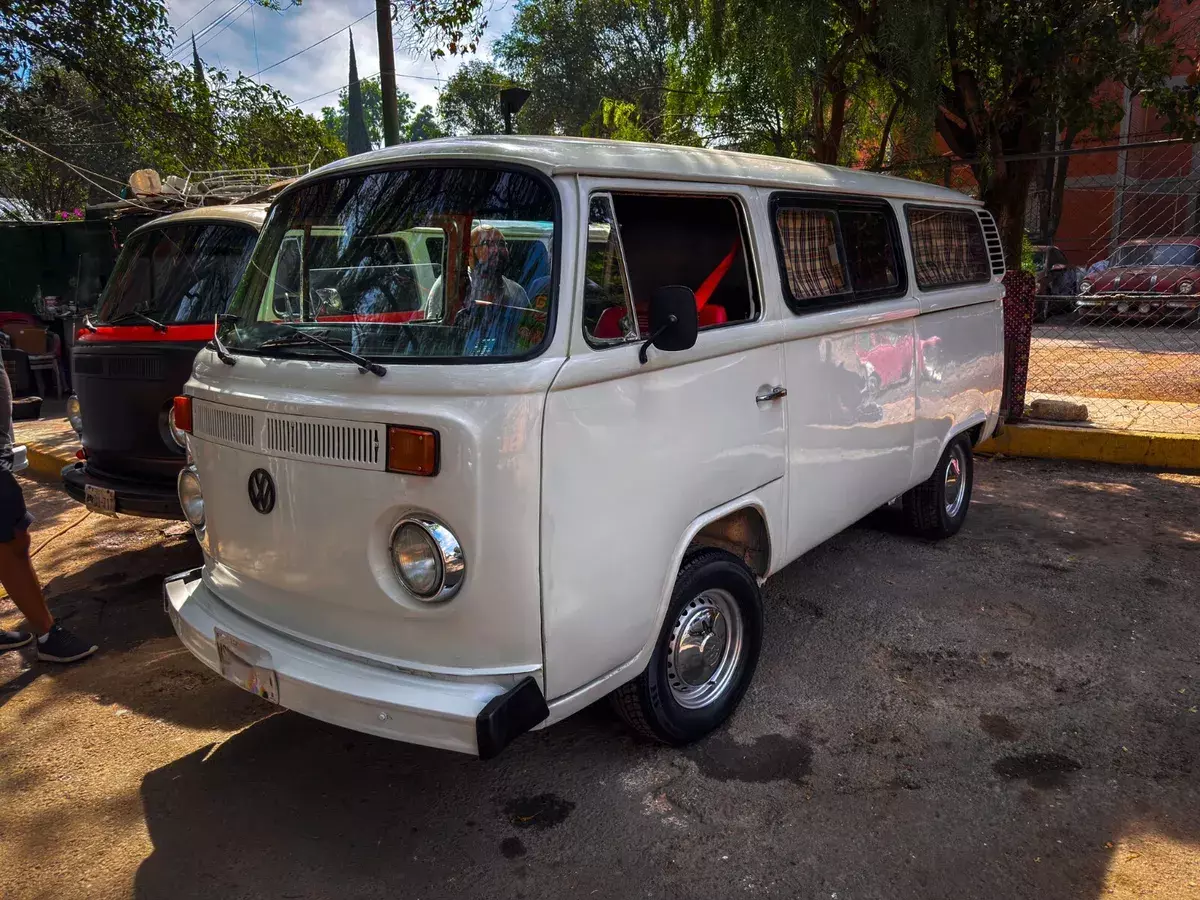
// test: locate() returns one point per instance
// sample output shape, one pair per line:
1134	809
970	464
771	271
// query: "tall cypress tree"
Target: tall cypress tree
357	140
197	66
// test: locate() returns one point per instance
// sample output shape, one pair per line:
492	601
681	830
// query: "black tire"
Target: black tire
648	704
928	507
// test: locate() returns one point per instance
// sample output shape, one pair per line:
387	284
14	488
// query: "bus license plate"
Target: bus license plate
101	500
247	666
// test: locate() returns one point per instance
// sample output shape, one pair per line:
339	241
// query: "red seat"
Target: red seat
713	315
608	326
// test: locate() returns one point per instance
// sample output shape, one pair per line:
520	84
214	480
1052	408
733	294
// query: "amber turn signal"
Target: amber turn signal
413	451
183	414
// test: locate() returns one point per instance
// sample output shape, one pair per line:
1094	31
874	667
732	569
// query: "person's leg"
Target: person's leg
54	643
21	582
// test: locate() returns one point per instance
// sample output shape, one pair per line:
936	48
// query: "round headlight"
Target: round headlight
178	435
75	414
428	558
1186	287
1085	287
191	498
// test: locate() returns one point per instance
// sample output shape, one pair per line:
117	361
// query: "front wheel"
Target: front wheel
937	507
705	655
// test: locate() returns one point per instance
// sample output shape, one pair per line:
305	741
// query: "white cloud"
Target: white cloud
251	38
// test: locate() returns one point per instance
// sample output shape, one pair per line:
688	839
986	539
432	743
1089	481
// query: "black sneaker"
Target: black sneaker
11	640
63	647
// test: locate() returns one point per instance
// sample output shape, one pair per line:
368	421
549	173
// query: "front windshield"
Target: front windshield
417	263
1157	255
177	273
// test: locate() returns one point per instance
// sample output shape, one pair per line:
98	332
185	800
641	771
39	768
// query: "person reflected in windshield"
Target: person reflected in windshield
487	281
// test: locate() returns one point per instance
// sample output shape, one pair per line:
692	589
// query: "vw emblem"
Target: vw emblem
262	491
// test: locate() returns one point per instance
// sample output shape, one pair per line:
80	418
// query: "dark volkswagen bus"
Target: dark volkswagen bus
174	275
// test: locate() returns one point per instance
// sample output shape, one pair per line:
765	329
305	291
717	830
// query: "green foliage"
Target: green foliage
58	112
335	118
470	101
595	67
441	27
1011	73
424	125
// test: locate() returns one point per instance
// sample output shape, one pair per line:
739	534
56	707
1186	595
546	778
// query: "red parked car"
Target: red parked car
1148	278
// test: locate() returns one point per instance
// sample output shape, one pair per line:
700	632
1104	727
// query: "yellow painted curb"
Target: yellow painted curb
1132	448
47	463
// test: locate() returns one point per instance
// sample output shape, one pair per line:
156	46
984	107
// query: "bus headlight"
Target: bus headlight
75	414
178	435
427	558
190	497
1186	287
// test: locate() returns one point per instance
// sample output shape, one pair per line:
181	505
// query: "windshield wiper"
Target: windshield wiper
298	335
138	314
215	344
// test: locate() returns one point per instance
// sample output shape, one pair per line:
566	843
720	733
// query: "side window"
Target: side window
947	247
285	292
698	242
810	253
607	313
638	243
834	252
870	251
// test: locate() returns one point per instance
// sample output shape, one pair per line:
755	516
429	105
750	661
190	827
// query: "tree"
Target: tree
358	139
814	79
424	125
57	111
119	48
336	118
585	60
470	101
1012	73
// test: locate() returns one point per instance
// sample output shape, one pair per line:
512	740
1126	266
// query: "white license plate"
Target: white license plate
247	666
101	500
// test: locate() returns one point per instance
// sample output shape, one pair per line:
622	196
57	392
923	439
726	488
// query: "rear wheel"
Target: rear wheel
705	655
937	507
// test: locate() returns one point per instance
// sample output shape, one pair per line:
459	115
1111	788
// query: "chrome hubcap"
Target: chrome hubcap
956	481
706	645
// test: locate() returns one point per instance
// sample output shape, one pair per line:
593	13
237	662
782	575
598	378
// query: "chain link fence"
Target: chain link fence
1115	234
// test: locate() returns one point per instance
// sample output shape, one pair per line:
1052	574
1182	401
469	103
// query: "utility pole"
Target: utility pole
387	72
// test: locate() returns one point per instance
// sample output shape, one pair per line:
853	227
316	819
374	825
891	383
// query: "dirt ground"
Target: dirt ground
1011	713
1121	361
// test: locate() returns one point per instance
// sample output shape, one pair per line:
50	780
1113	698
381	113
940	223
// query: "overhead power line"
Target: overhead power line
183	45
315	44
216	34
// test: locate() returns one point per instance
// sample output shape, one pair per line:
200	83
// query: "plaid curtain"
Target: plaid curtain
947	247
810	253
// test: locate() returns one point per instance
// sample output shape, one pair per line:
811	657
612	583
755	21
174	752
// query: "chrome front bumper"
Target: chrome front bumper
476	717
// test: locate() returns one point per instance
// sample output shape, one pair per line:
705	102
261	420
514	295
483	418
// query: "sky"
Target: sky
248	38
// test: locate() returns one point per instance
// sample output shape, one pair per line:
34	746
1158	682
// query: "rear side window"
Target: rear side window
947	247
638	243
834	251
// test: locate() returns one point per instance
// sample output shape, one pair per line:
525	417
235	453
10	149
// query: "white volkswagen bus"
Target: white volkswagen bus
497	427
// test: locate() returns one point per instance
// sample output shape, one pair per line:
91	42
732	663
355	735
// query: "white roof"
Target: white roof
590	156
251	214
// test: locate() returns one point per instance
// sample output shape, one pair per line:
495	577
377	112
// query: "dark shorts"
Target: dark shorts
14	516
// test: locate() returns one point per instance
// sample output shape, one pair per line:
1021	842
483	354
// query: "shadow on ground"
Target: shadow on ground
1012	713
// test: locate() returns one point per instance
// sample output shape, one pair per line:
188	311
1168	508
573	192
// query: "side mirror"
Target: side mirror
674	320
1057	267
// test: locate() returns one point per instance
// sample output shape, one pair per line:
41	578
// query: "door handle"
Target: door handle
773	394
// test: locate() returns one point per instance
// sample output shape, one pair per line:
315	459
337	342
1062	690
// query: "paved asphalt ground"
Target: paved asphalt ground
1009	714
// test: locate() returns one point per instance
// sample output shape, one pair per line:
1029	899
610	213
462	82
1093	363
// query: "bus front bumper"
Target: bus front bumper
479	717
133	498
